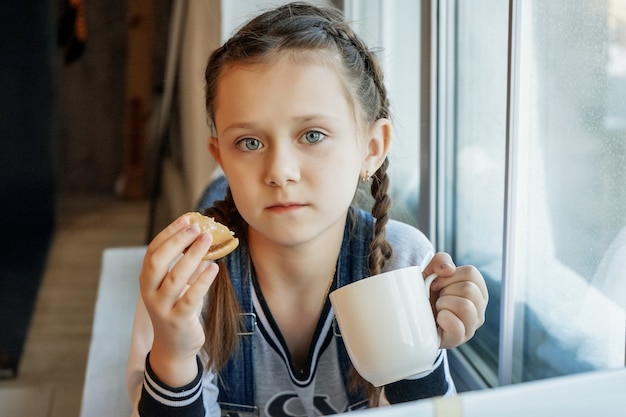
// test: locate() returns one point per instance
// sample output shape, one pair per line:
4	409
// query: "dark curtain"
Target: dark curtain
27	164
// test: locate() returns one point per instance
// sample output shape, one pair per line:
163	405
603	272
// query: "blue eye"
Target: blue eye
313	136
249	144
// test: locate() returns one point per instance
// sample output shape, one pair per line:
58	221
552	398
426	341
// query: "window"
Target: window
551	241
522	167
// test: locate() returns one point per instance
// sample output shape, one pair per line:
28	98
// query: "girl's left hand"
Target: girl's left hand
459	297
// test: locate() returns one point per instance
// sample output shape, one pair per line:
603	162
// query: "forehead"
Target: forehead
324	61
287	83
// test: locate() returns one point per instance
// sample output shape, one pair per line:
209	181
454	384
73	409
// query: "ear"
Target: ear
214	149
377	146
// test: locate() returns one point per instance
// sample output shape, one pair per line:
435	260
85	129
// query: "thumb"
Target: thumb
441	264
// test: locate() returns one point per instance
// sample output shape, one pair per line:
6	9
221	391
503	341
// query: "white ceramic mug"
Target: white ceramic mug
387	324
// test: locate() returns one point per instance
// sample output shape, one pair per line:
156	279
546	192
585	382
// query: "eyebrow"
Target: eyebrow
315	116
241	125
299	119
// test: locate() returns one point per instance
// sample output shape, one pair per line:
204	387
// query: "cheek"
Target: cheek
244	201
339	181
241	186
241	183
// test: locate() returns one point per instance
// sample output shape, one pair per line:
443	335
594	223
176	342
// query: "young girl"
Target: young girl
300	115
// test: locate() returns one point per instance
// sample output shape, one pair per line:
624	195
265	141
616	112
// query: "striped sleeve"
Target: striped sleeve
159	399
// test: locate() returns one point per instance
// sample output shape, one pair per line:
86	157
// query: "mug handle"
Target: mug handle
427	282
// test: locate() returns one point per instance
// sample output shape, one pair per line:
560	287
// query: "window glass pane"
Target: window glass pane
475	220
570	245
569	183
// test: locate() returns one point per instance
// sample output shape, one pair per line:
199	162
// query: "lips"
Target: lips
284	207
287	205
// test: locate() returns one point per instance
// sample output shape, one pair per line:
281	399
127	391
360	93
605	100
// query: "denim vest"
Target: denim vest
236	381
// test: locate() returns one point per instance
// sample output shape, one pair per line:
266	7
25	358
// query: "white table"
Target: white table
104	393
582	395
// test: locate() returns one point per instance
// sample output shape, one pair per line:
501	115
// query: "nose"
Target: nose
282	167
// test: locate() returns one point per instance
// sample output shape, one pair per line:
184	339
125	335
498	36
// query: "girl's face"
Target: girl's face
289	145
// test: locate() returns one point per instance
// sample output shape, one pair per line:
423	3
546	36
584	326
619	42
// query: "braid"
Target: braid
359	59
380	252
380	248
222	315
226	212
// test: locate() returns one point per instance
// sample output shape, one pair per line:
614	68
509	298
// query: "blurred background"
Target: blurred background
74	169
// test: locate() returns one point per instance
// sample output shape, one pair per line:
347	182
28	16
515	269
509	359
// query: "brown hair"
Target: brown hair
296	27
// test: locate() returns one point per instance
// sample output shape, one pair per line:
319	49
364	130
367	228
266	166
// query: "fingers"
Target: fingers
460	301
185	270
169	231
465	273
441	264
200	269
192	300
458	318
168	245
452	330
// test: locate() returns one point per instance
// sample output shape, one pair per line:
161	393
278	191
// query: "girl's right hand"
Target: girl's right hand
174	297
